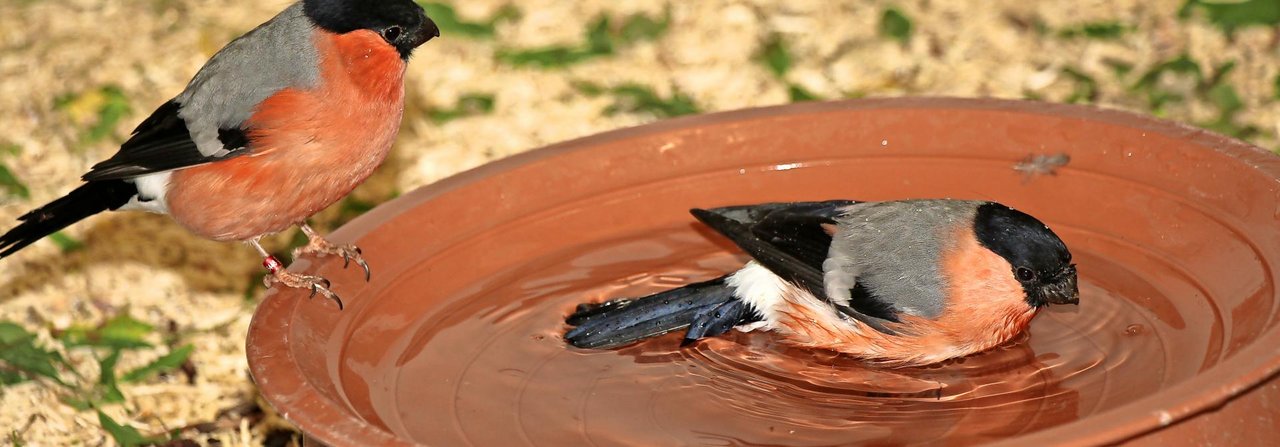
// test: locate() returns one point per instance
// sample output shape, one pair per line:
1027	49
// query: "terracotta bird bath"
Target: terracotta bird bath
456	341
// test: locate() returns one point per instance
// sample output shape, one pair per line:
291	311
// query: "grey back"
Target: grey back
893	249
222	95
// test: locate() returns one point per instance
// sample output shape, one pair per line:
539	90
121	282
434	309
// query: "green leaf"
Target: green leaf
505	13
470	104
103	108
172	360
124	435
75	402
1178	65
800	94
1149	82
1233	15
547	57
126	331
1228	102
8	181
1224	96
1118	67
592	89
636	98
11	333
894	24
107	385
15	439
1219	75
65	243
600	39
65	100
854	94
446	18
598	43
640	27
1085	88
10	377
1230	128
11	184
20	357
119	332
775	55
114	108
1096	30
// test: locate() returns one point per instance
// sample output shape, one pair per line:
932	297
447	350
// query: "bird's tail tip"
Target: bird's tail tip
87	200
706	309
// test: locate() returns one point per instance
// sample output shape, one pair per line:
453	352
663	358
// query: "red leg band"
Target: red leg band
272	264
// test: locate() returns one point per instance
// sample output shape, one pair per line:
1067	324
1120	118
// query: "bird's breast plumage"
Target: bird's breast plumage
978	305
309	147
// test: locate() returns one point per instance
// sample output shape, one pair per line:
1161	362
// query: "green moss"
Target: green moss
895	25
65	243
601	39
446	18
1233	15
1096	30
775	55
469	104
636	98
799	94
102	109
1084	87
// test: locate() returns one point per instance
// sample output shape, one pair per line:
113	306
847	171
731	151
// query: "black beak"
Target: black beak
407	42
1063	289
426	32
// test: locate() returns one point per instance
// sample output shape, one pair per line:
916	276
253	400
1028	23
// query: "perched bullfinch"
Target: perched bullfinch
281	123
898	283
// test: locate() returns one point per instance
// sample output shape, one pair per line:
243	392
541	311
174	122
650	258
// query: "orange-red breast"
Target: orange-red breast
279	124
901	283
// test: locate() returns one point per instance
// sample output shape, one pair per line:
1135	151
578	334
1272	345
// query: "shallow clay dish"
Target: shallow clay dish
456	340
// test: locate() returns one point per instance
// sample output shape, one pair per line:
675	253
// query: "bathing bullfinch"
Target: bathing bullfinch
281	123
898	283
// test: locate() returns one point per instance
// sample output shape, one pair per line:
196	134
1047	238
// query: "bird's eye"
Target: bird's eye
391	33
1025	274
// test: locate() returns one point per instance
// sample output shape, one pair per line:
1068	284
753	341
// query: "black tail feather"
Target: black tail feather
87	200
718	319
707	308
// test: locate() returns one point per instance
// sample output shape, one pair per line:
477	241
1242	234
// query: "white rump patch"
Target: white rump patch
151	193
761	289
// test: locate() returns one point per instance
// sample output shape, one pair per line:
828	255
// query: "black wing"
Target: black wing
162	143
790	239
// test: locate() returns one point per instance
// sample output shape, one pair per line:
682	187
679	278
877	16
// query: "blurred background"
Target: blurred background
125	327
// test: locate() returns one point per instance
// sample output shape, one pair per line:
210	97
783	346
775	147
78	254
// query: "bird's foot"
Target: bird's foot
316	245
317	284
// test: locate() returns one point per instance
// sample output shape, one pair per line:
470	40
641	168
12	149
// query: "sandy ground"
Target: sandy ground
77	75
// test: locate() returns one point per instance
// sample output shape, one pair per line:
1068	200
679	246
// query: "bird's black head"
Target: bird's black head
402	23
1041	262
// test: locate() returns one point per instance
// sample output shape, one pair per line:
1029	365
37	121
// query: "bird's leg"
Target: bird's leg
318	246
295	280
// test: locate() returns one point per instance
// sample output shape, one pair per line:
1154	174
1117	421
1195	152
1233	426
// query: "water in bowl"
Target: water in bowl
488	366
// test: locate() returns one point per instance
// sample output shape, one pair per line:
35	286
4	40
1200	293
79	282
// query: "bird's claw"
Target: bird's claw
364	265
321	247
316	284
